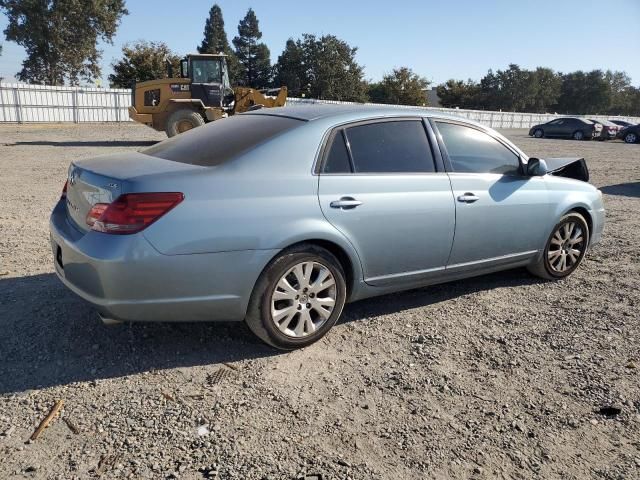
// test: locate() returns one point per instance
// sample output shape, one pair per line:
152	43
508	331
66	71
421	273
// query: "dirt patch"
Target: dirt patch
502	376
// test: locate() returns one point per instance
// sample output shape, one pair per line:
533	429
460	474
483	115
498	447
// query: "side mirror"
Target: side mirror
184	68
536	167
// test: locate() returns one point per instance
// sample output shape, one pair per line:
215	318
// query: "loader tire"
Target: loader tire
182	120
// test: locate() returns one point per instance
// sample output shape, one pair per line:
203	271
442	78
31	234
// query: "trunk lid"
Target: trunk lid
103	179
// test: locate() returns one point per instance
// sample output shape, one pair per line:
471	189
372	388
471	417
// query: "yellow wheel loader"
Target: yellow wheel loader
201	94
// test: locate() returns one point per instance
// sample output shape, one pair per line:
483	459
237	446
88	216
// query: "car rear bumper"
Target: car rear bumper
125	278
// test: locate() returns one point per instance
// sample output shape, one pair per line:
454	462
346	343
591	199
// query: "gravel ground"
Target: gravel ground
502	376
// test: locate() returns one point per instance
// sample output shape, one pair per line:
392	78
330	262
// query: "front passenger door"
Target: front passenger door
501	214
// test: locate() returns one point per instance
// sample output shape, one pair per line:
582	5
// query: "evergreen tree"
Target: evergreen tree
215	40
254	58
60	38
323	68
290	71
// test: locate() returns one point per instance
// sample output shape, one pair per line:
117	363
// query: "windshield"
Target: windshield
206	71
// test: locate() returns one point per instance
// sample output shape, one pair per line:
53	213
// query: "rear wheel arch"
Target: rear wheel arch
346	261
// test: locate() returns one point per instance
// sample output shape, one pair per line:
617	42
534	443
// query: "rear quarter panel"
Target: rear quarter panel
265	200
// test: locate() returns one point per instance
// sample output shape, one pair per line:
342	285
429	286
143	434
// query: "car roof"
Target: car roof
580	119
352	112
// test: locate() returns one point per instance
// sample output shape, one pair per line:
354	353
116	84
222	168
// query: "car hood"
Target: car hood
575	168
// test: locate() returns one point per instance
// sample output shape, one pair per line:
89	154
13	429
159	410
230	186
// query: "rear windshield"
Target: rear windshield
222	140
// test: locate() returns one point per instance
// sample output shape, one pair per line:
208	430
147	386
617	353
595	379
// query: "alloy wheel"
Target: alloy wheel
303	299
631	138
566	247
538	133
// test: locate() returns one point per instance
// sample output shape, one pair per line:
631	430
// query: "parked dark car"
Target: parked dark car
630	134
609	129
567	127
622	123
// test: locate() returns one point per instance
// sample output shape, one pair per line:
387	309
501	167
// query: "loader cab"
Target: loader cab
209	78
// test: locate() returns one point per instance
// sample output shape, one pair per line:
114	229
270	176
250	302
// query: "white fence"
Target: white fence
23	103
489	118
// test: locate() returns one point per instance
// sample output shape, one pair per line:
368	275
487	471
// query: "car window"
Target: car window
390	147
556	122
222	140
473	151
337	156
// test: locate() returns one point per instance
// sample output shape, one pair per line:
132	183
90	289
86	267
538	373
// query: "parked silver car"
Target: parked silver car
278	217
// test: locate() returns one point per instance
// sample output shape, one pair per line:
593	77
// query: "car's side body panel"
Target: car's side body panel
412	213
202	259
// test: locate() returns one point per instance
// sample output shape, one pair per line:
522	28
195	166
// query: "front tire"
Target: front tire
298	298
564	250
183	120
538	133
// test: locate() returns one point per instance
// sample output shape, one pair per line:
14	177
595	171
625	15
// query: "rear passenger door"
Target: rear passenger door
379	186
555	128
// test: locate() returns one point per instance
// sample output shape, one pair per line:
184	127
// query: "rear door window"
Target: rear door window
222	140
390	147
472	151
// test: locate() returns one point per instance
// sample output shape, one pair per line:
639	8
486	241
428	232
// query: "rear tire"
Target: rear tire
630	138
298	297
578	135
564	250
539	133
183	120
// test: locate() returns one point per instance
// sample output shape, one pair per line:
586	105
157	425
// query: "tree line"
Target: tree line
543	90
322	67
60	39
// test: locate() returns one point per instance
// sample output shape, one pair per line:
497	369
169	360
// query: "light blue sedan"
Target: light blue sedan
278	217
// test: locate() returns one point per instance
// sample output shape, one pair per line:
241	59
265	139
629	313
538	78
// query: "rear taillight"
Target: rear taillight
63	195
131	212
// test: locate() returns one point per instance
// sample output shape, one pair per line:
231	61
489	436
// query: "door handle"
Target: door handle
468	197
345	203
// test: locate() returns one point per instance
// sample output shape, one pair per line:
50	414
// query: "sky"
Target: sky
437	39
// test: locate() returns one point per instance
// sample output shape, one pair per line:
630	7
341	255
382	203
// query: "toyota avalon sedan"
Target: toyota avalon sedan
279	217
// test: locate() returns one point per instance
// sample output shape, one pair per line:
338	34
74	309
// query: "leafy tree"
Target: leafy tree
324	68
456	93
60	36
544	90
215	40
622	92
254	58
510	89
143	61
401	87
584	93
